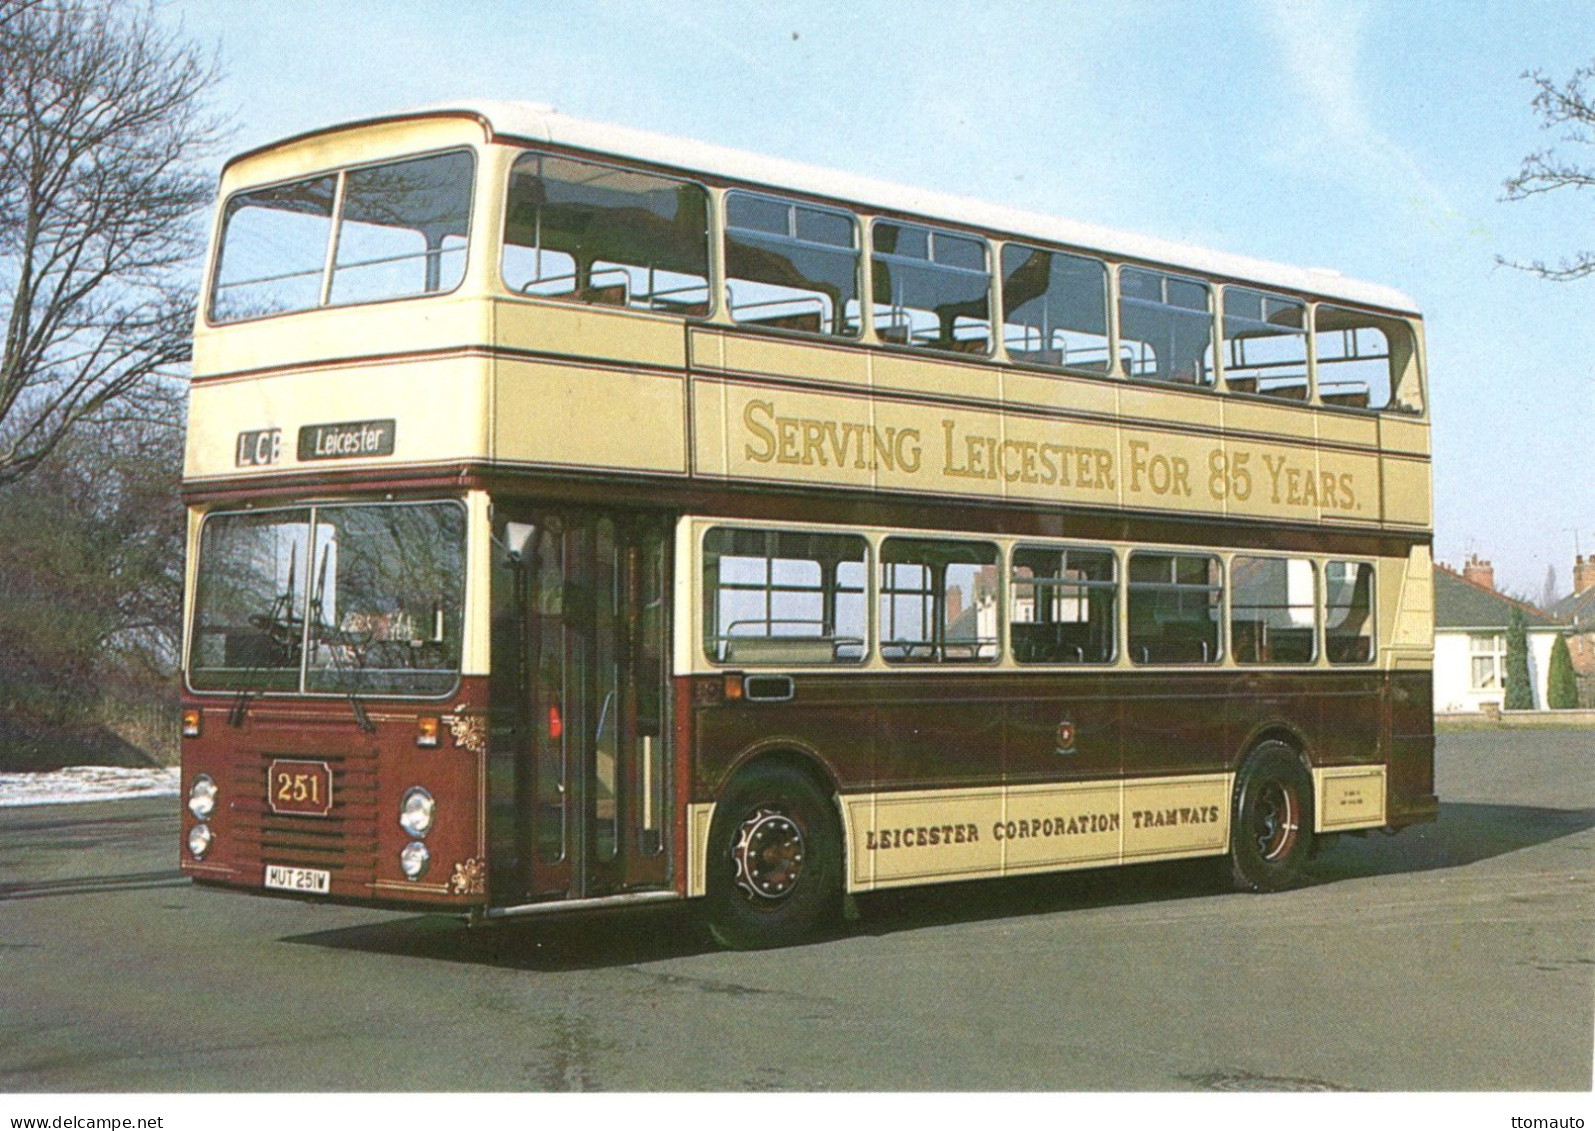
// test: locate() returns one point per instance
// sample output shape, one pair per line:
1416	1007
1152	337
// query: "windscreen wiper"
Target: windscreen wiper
339	639
278	625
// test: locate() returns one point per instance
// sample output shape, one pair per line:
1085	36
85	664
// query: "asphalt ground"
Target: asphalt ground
1457	956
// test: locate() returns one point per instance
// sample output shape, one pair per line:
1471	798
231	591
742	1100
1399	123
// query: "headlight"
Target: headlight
413	858
199	841
416	812
202	797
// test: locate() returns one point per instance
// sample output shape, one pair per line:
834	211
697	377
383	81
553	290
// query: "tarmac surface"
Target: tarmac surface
1457	956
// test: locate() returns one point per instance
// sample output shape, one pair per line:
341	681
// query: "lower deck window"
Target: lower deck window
1272	611
1063	606
1175	603
783	597
1348	612
938	601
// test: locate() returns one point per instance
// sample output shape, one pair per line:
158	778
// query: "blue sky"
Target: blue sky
1367	137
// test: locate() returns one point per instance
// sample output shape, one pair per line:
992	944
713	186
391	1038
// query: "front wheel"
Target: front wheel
774	860
1271	833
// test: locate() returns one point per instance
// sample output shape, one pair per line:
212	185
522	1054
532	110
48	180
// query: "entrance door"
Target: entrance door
595	630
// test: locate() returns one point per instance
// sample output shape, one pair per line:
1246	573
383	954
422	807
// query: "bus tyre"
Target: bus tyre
1271	828
775	860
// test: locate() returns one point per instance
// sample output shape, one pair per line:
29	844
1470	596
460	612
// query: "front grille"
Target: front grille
343	842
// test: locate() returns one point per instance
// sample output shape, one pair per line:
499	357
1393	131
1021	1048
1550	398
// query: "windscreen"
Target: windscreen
396	230
363	598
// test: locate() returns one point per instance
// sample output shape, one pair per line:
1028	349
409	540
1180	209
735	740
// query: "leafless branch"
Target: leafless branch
1564	106
103	134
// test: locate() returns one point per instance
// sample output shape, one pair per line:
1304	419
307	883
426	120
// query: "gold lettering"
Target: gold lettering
759	430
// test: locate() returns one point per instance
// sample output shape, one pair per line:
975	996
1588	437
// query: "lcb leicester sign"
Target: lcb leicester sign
351	440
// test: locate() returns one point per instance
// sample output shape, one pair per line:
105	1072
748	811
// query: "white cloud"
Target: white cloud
1320	44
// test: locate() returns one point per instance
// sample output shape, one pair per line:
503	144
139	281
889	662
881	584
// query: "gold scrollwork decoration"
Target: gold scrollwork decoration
470	878
469	731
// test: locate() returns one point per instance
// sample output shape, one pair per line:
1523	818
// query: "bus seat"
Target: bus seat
779	650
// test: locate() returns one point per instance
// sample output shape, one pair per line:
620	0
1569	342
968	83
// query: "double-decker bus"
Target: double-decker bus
582	517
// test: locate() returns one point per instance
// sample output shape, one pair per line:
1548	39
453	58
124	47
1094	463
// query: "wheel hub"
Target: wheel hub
768	852
1277	821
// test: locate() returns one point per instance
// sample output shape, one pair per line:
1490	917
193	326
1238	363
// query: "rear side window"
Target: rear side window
584	232
1349	612
1365	361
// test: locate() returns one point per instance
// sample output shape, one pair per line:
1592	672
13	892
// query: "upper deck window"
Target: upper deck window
1165	326
1265	344
932	288
402	231
1055	308
791	266
584	232
1364	361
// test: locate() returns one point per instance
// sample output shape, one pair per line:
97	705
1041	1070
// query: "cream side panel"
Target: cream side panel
380	330
190	574
1294	482
1406	492
439	408
1046	827
934	373
809	360
1023	387
698	820
1165	819
1403	435
920	836
477	658
575	417
1338	428
359	145
598	333
1351	797
1408	599
820	437
1178	406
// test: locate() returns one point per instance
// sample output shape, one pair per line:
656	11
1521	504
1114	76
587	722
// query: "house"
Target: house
1470	626
1577	611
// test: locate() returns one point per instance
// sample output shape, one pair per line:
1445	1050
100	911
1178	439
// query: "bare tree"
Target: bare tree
1566	106
103	125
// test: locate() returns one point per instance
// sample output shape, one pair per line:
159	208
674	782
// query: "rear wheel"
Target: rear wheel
774	860
1271	832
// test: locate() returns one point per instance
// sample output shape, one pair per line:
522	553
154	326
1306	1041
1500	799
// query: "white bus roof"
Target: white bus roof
534	122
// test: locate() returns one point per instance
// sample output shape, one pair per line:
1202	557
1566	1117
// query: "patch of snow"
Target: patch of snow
87	783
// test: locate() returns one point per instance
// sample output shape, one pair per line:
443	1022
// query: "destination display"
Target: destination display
351	440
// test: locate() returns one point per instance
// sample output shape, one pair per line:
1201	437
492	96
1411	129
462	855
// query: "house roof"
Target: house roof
1577	610
1460	603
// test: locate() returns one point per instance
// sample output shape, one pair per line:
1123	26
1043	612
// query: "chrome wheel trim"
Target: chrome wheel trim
1276	816
768	851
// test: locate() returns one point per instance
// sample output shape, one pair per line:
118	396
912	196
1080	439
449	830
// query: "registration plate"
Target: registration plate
312	880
